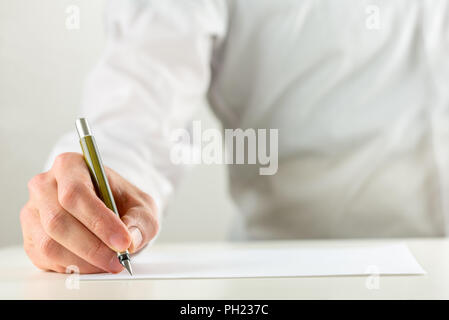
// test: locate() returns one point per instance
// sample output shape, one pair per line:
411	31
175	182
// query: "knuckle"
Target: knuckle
37	182
54	221
97	225
70	194
35	256
62	159
67	158
24	214
97	252
151	224
149	200
48	247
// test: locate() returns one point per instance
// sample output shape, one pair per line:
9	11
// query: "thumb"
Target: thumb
143	226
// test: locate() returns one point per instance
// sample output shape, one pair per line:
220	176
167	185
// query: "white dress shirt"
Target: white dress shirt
358	90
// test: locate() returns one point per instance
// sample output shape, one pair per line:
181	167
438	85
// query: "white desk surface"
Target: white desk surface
19	279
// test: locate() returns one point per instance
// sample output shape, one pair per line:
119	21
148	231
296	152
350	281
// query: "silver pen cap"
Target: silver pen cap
83	128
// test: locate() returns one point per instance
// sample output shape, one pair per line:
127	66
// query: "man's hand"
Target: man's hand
65	223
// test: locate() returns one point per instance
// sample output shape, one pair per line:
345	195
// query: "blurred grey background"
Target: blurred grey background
42	68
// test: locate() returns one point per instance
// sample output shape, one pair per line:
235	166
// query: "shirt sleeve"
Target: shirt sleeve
152	77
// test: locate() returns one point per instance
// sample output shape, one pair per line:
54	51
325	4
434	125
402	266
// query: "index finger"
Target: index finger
76	194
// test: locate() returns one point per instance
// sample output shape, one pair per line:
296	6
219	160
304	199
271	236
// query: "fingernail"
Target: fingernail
118	242
136	237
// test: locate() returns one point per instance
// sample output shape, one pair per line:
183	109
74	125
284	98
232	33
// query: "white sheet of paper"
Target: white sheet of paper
390	259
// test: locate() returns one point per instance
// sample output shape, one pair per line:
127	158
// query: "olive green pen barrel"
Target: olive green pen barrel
97	172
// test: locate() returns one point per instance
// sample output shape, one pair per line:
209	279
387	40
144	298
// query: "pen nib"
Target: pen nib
127	266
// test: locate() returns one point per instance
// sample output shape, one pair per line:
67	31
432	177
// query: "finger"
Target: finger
143	226
76	195
46	253
31	240
70	233
37	184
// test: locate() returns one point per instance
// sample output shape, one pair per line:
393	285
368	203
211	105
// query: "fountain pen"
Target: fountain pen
99	178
